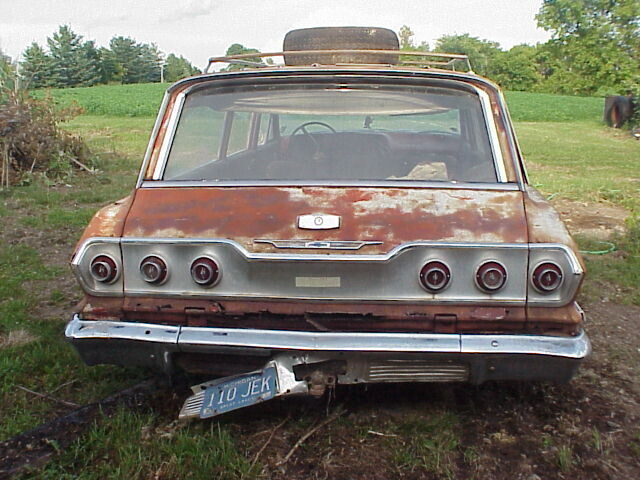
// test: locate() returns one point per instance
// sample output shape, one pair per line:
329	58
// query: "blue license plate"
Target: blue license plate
240	391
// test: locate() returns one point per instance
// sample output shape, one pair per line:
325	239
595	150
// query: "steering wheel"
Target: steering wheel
303	128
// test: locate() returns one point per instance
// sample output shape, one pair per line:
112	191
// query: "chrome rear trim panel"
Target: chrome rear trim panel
348	277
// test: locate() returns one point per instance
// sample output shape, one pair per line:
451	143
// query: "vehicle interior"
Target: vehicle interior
332	133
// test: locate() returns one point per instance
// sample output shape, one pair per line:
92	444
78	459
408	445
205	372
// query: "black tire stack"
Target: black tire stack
618	109
340	38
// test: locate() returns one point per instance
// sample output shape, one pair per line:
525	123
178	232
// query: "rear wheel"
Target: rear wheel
340	38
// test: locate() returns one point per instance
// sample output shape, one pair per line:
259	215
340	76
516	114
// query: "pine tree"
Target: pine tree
36	67
74	63
177	68
124	51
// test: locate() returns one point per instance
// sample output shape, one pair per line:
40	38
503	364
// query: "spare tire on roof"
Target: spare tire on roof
340	38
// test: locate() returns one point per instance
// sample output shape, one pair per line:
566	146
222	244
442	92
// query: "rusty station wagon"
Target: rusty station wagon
348	217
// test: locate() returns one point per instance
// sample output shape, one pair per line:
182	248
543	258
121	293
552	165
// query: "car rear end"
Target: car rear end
334	224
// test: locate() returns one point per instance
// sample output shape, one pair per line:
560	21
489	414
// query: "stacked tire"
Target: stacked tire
618	110
340	38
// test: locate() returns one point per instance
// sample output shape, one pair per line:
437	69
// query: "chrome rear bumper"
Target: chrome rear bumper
484	357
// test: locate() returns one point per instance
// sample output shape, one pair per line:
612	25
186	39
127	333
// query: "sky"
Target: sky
199	29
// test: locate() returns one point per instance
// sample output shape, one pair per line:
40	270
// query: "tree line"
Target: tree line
70	61
594	50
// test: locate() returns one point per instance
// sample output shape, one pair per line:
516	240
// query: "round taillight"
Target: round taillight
491	276
547	277
104	269
205	271
153	270
435	276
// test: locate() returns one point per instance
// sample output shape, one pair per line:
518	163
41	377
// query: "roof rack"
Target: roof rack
445	60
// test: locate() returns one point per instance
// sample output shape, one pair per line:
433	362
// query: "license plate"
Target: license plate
238	392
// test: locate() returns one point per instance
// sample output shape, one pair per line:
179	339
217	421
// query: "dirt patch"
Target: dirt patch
15	338
594	220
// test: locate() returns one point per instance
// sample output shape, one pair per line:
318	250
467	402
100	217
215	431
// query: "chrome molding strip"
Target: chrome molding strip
316	245
167	141
511	186
308	257
494	141
152	140
187	337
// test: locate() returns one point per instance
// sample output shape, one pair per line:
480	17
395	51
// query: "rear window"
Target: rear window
331	133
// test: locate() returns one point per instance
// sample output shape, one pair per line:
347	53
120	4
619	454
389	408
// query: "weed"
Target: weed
430	441
564	457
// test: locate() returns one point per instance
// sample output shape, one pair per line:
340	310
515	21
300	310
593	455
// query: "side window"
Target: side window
197	140
239	136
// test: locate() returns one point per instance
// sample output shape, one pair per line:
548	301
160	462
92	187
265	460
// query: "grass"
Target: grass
131	445
136	100
582	161
143	100
429	442
569	154
34	353
545	107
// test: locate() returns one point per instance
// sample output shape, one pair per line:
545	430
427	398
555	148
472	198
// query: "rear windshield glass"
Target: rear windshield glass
332	133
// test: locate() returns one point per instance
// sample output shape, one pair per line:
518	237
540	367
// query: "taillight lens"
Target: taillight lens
491	276
435	276
153	270
547	277
205	271
104	269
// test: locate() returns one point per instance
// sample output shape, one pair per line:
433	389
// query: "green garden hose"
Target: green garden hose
610	248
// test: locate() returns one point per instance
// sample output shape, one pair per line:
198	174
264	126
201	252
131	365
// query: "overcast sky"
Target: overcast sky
199	29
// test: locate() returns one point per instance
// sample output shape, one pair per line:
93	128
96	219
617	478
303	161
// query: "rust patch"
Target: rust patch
545	224
109	220
393	216
363	317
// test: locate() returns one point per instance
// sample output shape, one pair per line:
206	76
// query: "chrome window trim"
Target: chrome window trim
152	140
485	103
494	141
507	186
167	141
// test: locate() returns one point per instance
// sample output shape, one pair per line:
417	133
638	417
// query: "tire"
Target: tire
340	38
617	110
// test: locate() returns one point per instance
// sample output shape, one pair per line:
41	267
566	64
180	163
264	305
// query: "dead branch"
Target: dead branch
49	397
66	384
273	432
83	166
308	434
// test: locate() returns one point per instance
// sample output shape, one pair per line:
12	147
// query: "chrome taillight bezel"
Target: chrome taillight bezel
161	264
206	260
110	263
483	269
435	264
537	285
